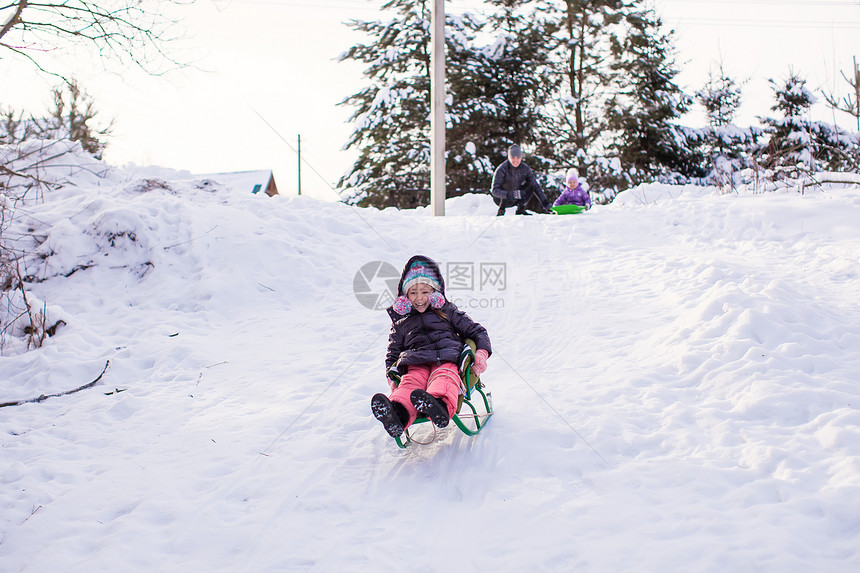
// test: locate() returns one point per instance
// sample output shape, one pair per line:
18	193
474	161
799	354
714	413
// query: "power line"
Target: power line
819	24
317	4
360	5
816	3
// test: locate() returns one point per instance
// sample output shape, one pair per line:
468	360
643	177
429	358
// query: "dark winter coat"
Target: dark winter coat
426	337
513	184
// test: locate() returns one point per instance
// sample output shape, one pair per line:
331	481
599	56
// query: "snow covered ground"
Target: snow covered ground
675	379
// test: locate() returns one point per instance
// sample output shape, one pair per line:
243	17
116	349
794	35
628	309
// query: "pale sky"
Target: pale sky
267	74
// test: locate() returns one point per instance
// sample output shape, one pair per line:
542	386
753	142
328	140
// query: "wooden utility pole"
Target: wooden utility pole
437	109
300	163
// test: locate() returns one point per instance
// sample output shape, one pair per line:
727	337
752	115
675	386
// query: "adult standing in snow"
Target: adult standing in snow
573	194
514	183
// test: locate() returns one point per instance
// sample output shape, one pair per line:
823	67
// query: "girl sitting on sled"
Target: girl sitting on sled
573	194
424	344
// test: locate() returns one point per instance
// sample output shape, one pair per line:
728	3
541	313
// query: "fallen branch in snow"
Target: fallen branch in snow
44	397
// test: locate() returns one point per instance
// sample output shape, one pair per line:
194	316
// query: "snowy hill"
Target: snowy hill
675	379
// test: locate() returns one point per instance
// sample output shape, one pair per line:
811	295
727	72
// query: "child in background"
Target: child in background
573	194
424	345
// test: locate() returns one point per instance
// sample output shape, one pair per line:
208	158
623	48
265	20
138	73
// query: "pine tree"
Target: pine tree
496	95
790	136
470	150
518	81
721	98
643	115
588	29
729	147
797	143
391	127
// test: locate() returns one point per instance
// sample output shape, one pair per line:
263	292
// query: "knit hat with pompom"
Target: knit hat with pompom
420	273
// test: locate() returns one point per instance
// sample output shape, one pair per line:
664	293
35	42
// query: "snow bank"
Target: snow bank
674	379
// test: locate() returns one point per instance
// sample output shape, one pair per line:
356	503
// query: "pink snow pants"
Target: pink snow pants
442	381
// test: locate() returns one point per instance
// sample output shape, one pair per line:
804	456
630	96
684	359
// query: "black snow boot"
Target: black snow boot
430	406
392	415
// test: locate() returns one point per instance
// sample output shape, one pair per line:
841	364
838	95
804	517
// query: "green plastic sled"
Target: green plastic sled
469	420
568	209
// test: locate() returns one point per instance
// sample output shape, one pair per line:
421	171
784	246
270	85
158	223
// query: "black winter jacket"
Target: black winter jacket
514	183
428	338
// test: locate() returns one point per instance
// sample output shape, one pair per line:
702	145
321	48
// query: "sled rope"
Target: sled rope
432	439
435	434
475	416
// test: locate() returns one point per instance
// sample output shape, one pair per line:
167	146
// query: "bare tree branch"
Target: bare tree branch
15	18
126	30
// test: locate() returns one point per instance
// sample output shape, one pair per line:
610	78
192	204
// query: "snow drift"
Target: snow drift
674	378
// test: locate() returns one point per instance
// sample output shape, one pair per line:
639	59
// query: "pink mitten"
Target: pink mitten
480	364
